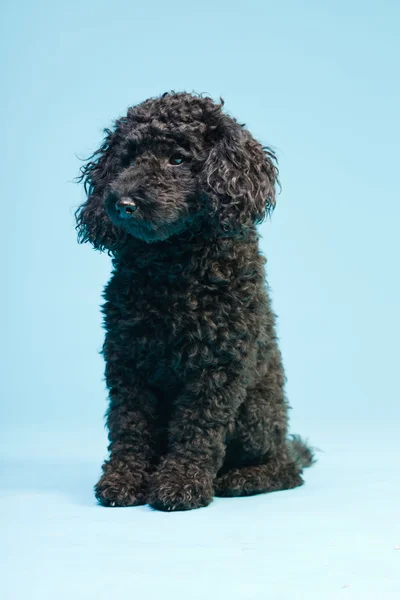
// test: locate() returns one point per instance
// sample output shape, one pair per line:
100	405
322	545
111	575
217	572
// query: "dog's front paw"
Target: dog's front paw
121	485
178	486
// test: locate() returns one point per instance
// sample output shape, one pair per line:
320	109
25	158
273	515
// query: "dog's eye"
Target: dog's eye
131	162
176	159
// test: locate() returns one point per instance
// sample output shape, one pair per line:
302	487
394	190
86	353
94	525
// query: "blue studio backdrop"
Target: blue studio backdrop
318	81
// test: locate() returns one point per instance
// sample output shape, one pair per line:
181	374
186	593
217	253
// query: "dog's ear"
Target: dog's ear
241	176
92	222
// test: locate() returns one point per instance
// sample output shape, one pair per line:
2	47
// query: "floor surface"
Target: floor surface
336	537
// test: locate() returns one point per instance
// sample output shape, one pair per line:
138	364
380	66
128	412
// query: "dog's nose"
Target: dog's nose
125	207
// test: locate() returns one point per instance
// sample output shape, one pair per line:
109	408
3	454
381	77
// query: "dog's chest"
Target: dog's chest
156	322
167	318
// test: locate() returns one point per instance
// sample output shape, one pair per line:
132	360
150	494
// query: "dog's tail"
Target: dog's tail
300	453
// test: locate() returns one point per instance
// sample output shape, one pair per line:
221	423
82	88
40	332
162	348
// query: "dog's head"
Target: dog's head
170	163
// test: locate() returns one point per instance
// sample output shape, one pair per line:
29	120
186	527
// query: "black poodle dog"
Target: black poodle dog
196	384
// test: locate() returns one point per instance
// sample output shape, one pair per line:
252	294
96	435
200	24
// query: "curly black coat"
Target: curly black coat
196	385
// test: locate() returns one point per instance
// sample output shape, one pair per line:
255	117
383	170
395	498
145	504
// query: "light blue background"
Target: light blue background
319	82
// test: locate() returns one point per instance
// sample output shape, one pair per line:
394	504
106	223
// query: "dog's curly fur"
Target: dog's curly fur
196	384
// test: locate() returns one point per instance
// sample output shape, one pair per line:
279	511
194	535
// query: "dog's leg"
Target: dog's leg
196	445
260	457
258	479
131	419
